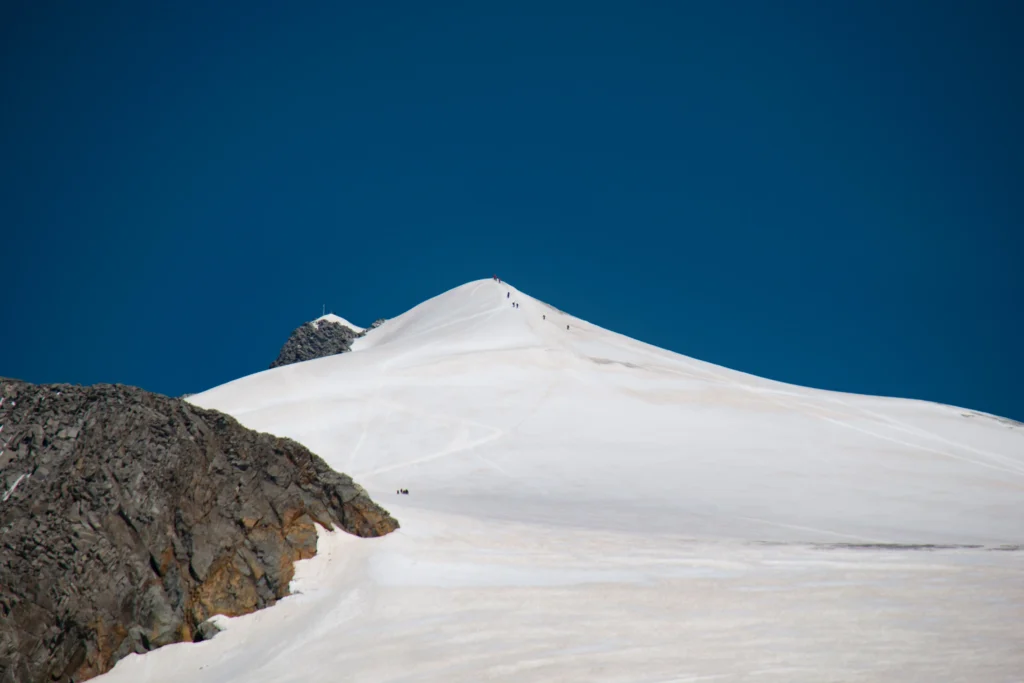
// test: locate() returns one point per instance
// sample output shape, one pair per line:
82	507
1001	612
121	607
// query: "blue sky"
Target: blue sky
828	194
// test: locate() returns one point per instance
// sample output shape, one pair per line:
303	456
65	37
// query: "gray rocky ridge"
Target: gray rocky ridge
128	519
317	339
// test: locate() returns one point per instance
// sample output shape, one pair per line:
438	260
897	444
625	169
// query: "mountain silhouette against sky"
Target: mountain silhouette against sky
585	506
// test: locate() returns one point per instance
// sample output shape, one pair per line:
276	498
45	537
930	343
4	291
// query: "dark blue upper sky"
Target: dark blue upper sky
826	193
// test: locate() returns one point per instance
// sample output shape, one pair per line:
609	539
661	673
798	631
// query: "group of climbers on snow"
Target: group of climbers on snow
508	295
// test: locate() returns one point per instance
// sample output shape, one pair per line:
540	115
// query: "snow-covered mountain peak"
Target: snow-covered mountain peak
583	506
482	312
489	401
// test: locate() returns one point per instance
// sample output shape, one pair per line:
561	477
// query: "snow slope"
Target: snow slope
588	507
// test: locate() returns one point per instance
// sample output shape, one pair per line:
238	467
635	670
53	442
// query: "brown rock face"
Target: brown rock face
128	519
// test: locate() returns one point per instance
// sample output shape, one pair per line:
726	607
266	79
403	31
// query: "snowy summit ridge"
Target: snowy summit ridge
332	318
585	506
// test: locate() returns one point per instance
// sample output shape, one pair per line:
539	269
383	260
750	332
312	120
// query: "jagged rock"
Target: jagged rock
130	518
316	340
206	631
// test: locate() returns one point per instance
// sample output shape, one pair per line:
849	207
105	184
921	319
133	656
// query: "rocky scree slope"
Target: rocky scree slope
318	339
129	518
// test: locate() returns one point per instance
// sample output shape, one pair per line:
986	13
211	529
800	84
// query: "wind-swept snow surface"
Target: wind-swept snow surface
587	507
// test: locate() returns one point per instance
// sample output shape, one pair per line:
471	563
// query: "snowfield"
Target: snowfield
586	507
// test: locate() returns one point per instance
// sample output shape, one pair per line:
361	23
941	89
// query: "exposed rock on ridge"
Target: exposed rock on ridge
318	339
129	518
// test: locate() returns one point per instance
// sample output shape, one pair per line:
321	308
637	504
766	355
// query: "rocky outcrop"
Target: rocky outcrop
316	340
128	519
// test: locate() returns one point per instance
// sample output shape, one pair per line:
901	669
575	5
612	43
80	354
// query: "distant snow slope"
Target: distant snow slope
587	507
